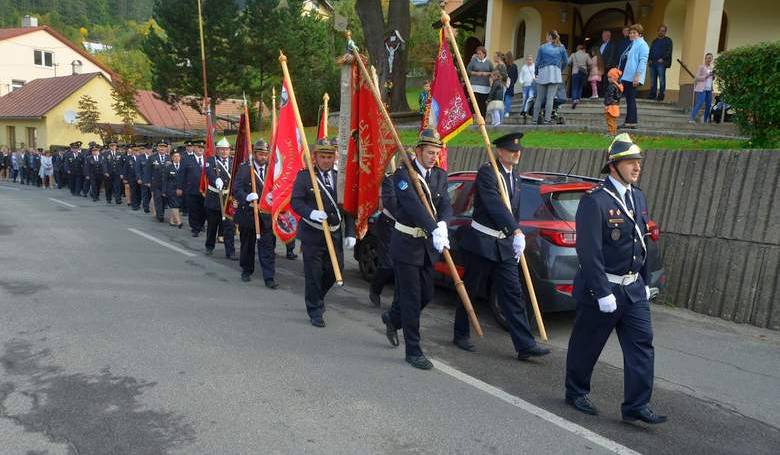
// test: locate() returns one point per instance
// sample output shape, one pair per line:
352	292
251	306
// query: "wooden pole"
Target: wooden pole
248	139
445	20
400	151
273	111
310	165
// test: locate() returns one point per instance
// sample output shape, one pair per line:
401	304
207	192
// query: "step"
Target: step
728	129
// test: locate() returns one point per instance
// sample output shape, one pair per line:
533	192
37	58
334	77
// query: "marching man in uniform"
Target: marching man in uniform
317	265
412	246
218	172
610	286
242	191
492	247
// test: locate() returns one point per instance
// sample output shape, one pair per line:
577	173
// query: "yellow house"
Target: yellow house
43	112
695	26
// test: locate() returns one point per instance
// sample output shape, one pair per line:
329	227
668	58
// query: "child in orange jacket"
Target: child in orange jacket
612	100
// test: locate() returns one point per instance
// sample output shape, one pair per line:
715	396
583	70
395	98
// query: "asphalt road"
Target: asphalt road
118	336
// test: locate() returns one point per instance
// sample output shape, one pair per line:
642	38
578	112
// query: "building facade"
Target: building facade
695	26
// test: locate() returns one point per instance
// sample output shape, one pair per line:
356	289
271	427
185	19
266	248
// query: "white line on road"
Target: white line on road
160	242
63	203
560	422
9	188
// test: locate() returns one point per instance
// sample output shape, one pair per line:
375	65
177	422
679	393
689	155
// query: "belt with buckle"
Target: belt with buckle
486	230
418	233
623	280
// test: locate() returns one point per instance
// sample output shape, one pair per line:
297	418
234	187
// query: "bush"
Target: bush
749	80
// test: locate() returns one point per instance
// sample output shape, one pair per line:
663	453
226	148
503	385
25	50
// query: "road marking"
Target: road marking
558	421
160	242
63	203
9	188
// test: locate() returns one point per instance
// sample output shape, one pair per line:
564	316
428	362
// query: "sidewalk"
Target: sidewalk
735	366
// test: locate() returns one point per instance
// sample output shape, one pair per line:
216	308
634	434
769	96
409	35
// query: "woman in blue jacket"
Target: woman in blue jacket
551	58
633	63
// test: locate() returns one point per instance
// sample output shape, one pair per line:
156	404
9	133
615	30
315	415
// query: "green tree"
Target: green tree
88	117
123	94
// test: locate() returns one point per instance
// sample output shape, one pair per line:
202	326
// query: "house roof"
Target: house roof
7	33
182	116
39	96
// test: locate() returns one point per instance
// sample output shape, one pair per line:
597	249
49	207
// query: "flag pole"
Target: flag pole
310	165
445	20
248	139
273	110
400	151
325	99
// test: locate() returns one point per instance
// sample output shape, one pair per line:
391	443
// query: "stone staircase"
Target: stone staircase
654	118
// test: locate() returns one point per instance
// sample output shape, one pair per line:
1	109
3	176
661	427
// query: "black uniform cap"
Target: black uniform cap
75	144
162	142
429	137
509	141
324	146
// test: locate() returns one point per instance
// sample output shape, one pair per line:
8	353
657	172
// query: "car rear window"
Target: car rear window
564	204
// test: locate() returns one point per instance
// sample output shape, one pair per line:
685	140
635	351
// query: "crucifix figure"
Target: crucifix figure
393	43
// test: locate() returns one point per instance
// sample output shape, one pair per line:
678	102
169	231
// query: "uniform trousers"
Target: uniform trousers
265	249
146	197
413	291
160	202
94	187
215	222
318	270
196	212
113	186
74	183
591	330
135	194
505	279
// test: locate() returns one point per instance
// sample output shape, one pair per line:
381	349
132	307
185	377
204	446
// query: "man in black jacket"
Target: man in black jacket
607	53
130	177
112	173
193	169
93	172
317	265
660	60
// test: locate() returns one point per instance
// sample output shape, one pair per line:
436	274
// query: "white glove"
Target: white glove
441	229
219	183
647	292
318	216
349	242
251	197
518	245
269	199
608	304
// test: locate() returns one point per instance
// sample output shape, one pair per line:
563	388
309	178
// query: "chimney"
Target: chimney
29	21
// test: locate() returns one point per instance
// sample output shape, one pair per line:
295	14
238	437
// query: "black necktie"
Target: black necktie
428	177
262	173
326	179
509	183
630	202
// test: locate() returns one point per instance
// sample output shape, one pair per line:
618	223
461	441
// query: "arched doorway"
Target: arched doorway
724	28
520	43
612	19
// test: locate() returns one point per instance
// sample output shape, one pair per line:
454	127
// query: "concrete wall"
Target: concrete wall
719	213
17	62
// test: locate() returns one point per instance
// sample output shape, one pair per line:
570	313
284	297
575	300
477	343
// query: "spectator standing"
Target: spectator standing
660	60
495	100
622	45
15	165
580	62
550	60
633	63
512	74
612	100
702	90
422	99
479	69
526	78
46	171
499	65
594	73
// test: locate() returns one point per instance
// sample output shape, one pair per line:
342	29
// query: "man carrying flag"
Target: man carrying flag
218	175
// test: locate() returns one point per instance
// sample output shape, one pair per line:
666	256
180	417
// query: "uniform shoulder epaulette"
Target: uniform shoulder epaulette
485	164
594	189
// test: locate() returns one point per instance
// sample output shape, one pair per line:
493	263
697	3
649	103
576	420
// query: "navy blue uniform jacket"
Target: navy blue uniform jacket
304	202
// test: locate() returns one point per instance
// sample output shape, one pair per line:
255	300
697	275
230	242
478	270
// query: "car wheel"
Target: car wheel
367	258
498	313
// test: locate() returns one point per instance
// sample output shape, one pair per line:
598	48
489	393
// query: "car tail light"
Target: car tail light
565	288
653	230
560	238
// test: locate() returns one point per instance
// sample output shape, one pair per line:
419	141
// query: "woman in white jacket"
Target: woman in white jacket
526	78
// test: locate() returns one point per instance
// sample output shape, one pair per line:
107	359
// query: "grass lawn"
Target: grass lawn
553	140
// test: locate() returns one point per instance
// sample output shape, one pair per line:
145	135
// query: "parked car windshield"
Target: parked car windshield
565	204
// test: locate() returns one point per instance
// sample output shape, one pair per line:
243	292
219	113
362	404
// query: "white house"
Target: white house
33	52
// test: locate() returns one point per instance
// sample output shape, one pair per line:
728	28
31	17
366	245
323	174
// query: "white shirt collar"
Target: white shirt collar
420	169
620	187
505	169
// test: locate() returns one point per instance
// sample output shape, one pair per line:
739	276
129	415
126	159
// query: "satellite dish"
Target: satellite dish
70	117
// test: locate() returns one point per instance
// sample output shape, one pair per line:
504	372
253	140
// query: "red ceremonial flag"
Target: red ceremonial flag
371	146
285	162
274	169
243	150
448	107
321	133
204	181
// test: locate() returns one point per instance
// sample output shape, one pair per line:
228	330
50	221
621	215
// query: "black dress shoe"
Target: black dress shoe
390	331
465	344
535	351
318	322
583	404
209	252
271	284
291	256
419	361
195	234
245	277
147	210
646	415
232	258
628	126
375	299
